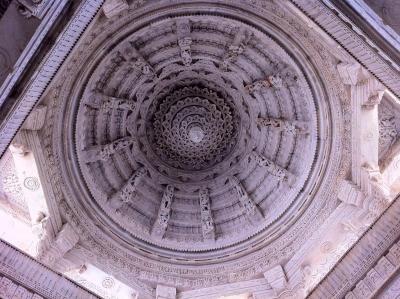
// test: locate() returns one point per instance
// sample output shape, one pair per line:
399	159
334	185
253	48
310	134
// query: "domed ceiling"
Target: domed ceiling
194	138
197	146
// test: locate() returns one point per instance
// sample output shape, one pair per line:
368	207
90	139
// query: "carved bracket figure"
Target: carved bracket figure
282	174
132	56
161	223
274	81
103	102
104	152
128	191
237	47
207	222
251	210
184	40
289	127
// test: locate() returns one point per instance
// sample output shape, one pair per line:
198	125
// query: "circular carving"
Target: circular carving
31	183
108	282
193	110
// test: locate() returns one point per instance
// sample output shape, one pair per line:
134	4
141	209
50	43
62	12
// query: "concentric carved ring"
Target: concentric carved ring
193	128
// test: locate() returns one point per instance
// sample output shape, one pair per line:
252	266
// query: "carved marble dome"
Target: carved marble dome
188	136
190	133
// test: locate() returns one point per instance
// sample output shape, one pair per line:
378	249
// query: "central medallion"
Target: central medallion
193	127
196	134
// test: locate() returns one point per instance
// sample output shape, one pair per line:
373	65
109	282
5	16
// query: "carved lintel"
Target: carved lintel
251	210
127	192
103	102
237	47
184	40
282	174
276	278
207	222
290	127
164	292
133	57
112	8
104	152
161	223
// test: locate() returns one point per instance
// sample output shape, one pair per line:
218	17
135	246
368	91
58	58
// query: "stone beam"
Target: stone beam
161	223
21	107
25	275
251	210
369	263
